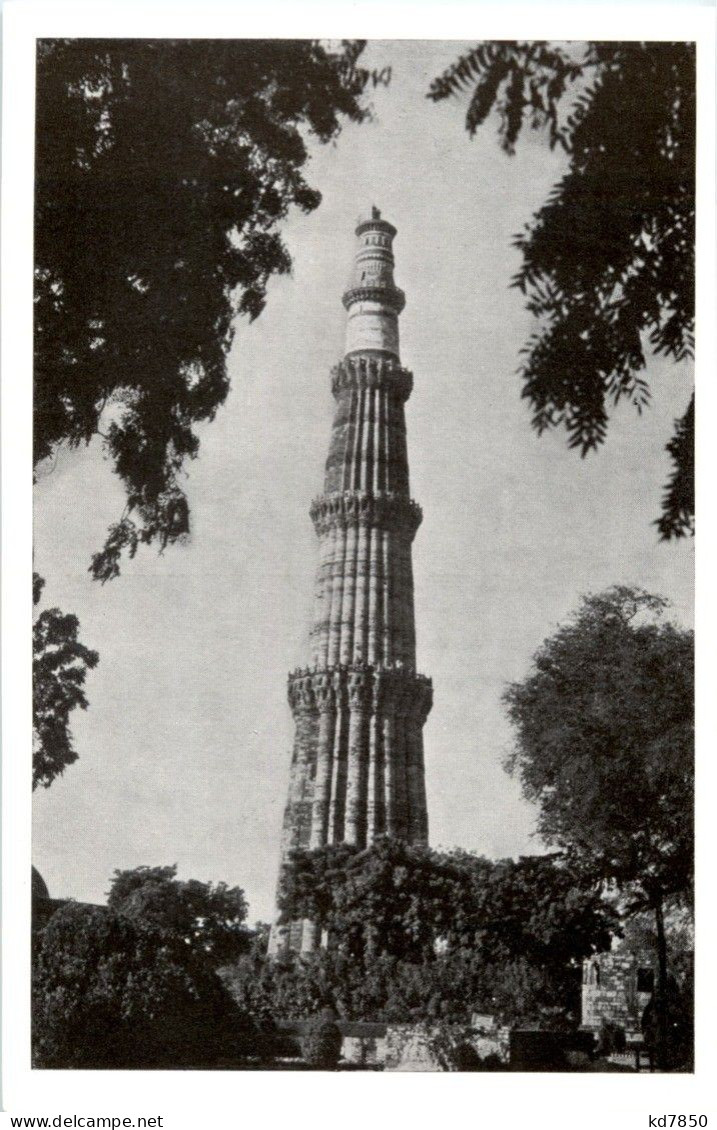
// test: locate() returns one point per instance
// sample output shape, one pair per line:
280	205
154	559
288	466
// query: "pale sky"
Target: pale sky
184	750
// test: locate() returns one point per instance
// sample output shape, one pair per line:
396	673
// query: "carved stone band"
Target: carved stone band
384	690
379	511
371	372
387	295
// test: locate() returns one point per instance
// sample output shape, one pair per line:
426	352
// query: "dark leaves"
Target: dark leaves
678	506
400	901
59	670
162	171
511	78
210	918
608	260
415	933
484	96
604	742
109	992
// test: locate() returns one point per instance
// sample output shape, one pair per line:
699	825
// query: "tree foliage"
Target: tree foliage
110	993
450	986
389	899
59	668
415	934
402	901
210	918
536	908
604	744
162	170
640	938
321	1042
608	260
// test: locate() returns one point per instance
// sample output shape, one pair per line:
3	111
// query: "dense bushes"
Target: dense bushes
415	938
611	1039
449	987
321	1042
418	936
110	993
403	901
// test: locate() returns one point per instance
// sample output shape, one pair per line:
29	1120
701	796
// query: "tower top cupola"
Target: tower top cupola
372	299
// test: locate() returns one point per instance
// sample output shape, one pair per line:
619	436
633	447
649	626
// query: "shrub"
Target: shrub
321	1042
452	1046
109	993
611	1039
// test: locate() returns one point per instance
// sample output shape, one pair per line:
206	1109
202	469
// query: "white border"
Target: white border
216	1098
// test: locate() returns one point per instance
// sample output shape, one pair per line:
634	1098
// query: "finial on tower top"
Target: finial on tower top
369	215
373	221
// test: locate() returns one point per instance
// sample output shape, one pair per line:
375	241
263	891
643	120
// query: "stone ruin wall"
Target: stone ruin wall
610	993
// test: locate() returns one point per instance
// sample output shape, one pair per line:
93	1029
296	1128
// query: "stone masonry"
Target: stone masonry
357	769
616	990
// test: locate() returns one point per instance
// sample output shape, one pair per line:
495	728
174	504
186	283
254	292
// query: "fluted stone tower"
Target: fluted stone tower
357	768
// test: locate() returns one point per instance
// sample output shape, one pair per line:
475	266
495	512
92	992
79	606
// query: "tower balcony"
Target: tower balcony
381	511
371	372
377	689
383	294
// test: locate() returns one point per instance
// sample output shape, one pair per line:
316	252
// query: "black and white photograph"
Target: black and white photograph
363	556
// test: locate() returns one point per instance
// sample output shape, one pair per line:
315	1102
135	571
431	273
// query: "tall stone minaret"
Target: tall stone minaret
357	768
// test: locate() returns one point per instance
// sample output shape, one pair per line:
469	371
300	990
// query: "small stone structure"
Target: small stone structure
406	1047
616	990
409	1047
489	1039
364	1045
414	1047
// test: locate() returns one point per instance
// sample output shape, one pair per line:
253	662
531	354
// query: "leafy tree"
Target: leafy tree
448	987
259	935
604	745
321	1043
536	909
390	899
608	260
416	934
639	937
290	989
162	170
401	901
108	992
59	668
209	918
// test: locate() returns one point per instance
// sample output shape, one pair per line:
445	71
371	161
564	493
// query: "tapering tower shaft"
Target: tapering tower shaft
359	708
